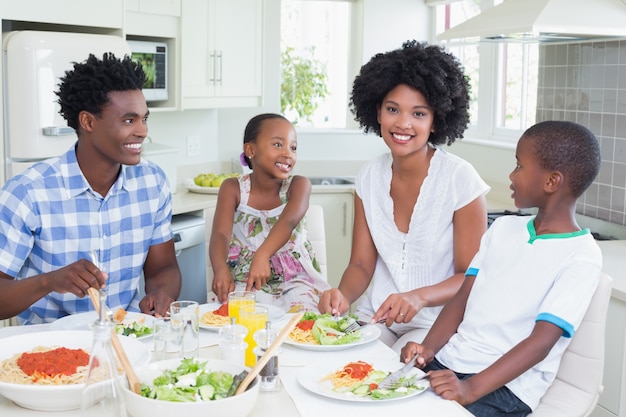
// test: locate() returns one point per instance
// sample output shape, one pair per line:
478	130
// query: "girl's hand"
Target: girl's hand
333	302
259	272
398	308
223	283
446	384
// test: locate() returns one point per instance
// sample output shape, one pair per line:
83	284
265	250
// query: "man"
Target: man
96	216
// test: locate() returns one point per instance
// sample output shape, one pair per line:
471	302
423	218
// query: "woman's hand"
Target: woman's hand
333	302
399	308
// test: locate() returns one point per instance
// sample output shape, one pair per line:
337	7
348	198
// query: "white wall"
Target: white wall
386	25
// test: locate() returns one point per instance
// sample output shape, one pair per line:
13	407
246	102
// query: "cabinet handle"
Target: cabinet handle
345	218
219	56
212	76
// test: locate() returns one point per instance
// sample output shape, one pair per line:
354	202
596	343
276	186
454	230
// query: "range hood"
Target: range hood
544	21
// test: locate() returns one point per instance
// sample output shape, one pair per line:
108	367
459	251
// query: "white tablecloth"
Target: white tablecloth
293	400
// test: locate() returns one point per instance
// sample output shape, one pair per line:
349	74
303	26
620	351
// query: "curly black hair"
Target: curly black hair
569	148
88	84
437	74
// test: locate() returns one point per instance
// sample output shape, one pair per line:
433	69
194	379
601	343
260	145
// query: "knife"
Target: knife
392	379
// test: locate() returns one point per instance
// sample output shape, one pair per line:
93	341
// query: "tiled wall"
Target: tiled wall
586	83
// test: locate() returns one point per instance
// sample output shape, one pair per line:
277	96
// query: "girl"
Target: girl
259	238
419	211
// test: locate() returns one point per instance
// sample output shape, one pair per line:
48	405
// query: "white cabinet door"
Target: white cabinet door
338	223
221	46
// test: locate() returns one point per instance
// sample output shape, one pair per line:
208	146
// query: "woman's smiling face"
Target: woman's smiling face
406	120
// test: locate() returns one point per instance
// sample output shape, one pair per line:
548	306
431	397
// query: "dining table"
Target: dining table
292	399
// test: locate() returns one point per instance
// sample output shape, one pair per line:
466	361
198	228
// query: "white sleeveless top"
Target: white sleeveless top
423	256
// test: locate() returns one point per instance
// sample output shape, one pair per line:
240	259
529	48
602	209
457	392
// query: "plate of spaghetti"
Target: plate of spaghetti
215	315
358	380
304	335
46	370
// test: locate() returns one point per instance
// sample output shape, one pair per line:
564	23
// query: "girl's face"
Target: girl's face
528	177
406	120
274	149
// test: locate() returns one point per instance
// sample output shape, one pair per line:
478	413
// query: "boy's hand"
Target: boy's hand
446	384
412	349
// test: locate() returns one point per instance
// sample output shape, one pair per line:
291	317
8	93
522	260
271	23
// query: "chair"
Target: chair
578	383
317	236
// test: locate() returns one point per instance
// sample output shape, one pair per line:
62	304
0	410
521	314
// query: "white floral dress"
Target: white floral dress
296	281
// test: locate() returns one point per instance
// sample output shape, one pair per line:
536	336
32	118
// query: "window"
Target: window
315	59
505	73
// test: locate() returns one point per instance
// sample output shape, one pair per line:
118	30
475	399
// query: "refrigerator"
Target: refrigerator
33	62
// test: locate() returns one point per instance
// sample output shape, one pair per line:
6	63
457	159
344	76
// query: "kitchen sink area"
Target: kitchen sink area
332	180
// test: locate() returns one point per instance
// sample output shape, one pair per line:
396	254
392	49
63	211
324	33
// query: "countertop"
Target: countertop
613	251
184	201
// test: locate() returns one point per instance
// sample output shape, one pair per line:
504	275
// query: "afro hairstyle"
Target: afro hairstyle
437	74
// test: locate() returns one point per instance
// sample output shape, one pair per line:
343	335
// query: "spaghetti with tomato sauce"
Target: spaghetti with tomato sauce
350	374
46	366
217	317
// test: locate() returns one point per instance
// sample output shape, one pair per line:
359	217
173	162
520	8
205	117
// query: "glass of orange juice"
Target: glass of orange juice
240	300
252	319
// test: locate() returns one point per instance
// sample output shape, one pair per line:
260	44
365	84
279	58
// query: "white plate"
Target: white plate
310	378
81	321
58	397
274	314
368	334
201	190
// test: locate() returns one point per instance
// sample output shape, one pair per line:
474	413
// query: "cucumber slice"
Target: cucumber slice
206	392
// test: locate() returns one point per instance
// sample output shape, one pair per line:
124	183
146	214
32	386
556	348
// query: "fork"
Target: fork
352	326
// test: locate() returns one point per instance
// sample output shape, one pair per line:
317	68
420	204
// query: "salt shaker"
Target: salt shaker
269	373
231	342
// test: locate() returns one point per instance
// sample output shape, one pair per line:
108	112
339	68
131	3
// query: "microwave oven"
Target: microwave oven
153	58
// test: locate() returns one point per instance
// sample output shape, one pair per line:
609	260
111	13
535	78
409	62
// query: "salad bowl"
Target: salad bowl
235	406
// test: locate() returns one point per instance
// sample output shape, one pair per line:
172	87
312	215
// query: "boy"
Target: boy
496	346
99	196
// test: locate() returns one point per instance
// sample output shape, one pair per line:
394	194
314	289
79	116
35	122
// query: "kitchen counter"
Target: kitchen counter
614	264
184	201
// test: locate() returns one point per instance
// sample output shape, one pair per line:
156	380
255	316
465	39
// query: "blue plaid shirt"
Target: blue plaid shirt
50	217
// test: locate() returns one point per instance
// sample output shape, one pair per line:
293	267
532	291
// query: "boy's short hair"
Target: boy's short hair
569	148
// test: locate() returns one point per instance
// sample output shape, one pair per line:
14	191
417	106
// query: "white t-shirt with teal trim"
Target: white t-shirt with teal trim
522	278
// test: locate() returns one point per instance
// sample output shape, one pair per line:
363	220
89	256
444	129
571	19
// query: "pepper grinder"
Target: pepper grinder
269	373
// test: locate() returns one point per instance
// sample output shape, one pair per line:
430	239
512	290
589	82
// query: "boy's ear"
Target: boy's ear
554	182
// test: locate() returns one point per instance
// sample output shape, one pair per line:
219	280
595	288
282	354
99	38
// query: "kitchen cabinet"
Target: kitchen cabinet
160	7
64	12
338	223
221	53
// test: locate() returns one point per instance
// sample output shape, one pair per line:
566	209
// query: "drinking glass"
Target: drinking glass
252	319
187	313
167	338
240	300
